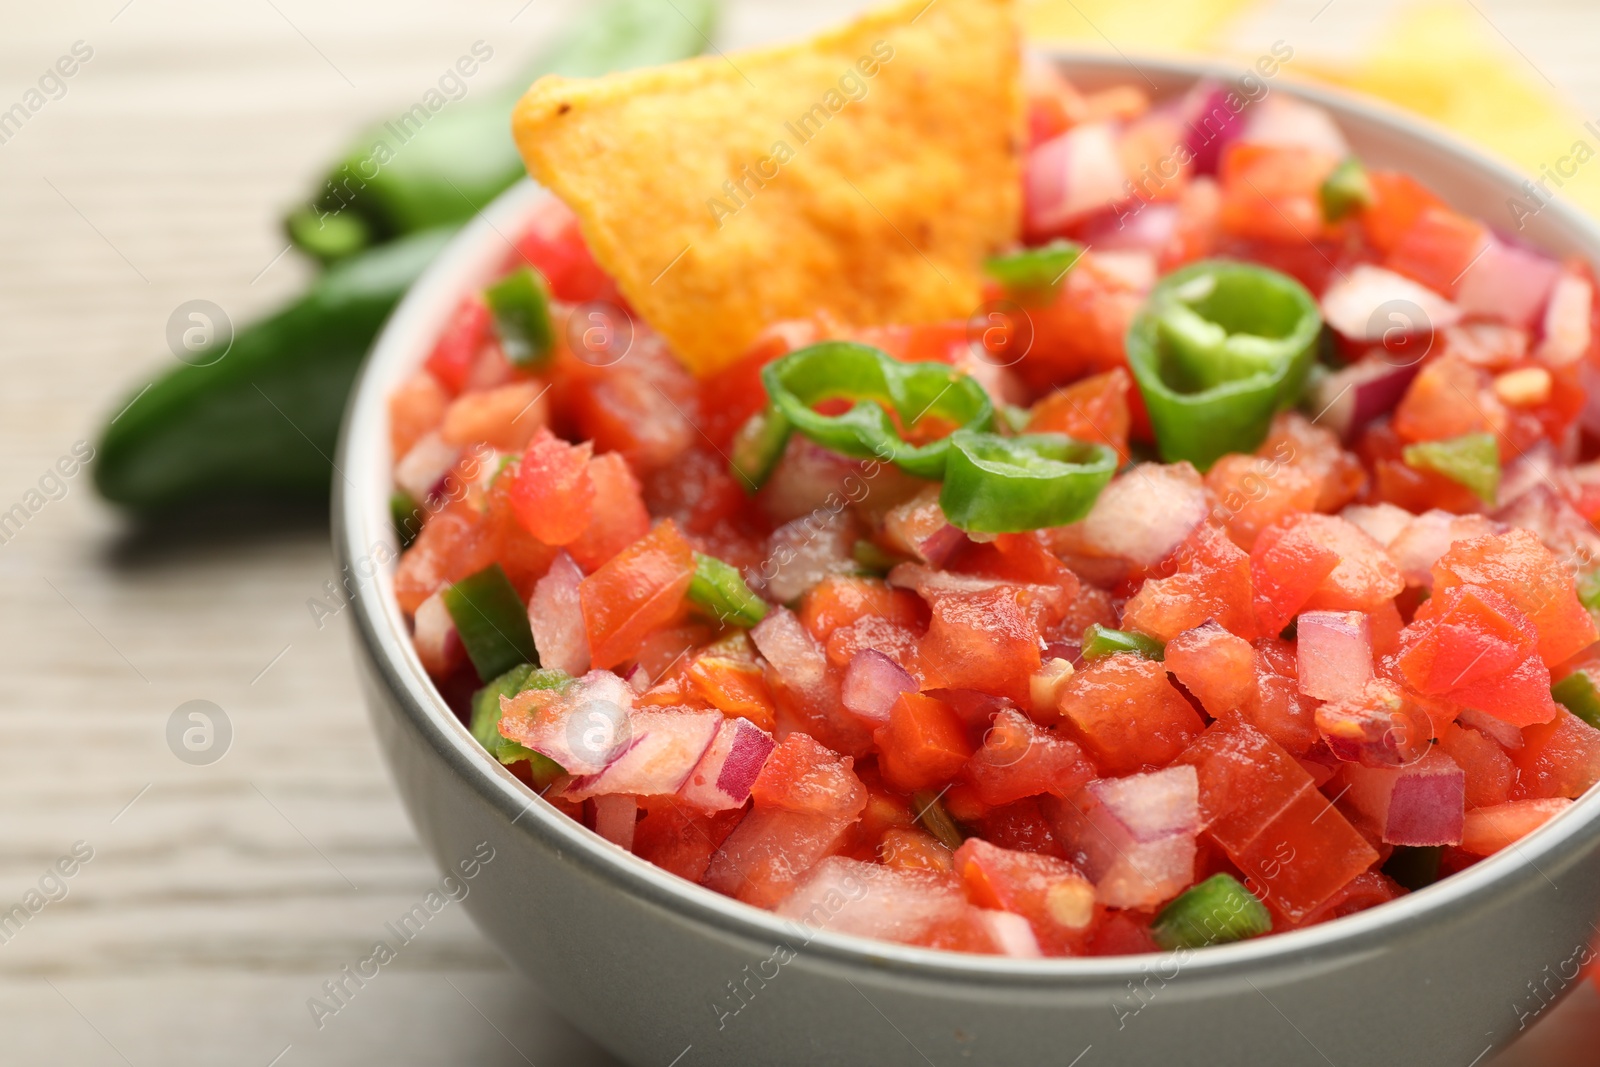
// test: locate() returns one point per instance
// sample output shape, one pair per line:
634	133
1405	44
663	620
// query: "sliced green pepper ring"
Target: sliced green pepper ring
877	384
1218	349
995	484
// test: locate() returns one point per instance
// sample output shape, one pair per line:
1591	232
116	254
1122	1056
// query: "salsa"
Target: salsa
1231	570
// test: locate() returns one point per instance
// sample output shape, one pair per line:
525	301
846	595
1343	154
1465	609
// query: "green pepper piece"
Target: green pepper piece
995	484
758	446
1102	641
1589	591
1218	910
878	384
406	516
1218	349
1472	460
264	417
520	305
719	591
935	820
1579	693
1034	275
442	171
1345	190
492	621
486	717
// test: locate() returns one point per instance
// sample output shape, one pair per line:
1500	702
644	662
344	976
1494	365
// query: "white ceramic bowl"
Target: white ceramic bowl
656	968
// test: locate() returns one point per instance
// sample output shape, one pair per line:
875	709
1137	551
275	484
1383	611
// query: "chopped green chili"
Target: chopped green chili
1034	274
1579	693
520	305
877	384
719	590
1218	349
406	516
1472	460
492	622
486	717
1345	189
1100	642
1218	910
995	484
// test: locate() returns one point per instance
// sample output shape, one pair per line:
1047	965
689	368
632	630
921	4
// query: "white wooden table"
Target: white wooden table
220	897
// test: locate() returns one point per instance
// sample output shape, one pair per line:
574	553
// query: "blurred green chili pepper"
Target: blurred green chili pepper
402	176
264	417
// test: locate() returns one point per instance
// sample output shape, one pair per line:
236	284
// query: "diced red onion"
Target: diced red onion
1373	304
872	683
1334	653
1534	467
1567	318
421	471
1146	512
803	552
556	618
435	638
805	478
1417	547
1210	124
584	729
1012	935
1381	522
1071	176
1136	228
1507	736
1508	284
1285	121
791	651
1134	837
1421	804
849	896
941	544
615	817
639	678
1353	396
664	749
1548	516
726	773
1135	268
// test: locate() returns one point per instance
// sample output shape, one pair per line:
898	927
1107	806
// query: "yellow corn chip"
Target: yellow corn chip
863	174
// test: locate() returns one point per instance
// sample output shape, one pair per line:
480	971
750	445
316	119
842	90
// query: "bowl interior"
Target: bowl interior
1469	180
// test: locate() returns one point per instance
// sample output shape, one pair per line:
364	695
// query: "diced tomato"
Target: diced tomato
1296	441
554	246
932	342
1312	562
1127	714
1364	891
1560	758
915	850
1488	830
764	857
981	640
1521	569
643	406
618	517
1052	894
1396	483
1213	581
1079	332
840	600
1473	647
505	416
1021	825
1398	200
1199	218
924	743
1254	492
731	395
640	590
1438	248
679	837
1262	807
1489	770
1273	192
898	642
451	546
552	495
1216	666
524	557
736	688
415	409
1020	759
1013	557
804	775
1094	409
458	347
1448	398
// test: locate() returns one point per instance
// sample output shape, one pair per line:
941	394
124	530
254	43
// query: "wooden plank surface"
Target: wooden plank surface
219	897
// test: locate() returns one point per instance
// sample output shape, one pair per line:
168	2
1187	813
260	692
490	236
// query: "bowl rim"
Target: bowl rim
360	524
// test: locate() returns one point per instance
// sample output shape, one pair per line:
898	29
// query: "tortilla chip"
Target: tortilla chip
864	174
